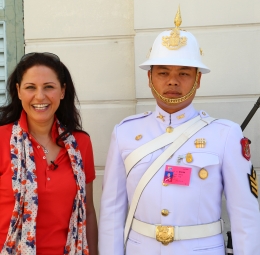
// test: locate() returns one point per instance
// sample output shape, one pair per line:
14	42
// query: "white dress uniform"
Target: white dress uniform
178	205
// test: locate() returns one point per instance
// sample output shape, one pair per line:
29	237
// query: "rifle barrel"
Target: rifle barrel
251	114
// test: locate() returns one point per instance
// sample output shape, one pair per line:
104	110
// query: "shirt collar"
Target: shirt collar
24	125
177	118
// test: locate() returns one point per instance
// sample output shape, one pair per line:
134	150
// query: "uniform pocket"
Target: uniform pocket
133	241
211	248
202	159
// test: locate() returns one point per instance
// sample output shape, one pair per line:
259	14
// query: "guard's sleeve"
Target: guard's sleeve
113	203
242	205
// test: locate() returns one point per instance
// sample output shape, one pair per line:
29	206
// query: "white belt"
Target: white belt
179	232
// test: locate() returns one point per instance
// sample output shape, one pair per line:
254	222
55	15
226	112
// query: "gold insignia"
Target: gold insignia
174	41
200	143
169	129
253	183
181	116
204	113
201	52
161	117
138	137
203	174
189	157
164	234
145	113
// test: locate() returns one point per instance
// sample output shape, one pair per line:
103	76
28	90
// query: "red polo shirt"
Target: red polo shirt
56	189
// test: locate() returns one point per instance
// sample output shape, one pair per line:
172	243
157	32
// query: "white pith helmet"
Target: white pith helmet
175	47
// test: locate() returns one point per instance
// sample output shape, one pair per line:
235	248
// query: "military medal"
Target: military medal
245	148
203	174
200	143
189	157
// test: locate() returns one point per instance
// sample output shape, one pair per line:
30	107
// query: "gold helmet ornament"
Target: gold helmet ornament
176	47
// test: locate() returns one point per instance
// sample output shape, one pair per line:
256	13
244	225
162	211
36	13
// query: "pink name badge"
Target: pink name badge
177	175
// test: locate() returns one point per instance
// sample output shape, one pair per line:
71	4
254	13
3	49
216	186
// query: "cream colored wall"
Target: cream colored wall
103	42
95	39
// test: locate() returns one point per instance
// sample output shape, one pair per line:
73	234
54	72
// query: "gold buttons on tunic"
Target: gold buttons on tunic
203	174
169	129
138	137
165	212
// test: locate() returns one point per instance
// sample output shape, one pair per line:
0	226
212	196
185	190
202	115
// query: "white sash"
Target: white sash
135	156
157	164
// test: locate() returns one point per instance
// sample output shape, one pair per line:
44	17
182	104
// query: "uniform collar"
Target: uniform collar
24	125
177	118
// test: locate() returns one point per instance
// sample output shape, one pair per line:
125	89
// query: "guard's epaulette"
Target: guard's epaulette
136	116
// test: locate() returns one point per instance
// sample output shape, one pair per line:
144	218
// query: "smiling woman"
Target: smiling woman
40	93
46	162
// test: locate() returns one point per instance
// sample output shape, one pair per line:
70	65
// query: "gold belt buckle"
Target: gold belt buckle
164	234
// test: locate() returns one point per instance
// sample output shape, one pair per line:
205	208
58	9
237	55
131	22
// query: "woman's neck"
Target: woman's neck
40	130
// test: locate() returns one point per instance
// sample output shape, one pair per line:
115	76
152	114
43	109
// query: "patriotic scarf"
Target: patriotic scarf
21	237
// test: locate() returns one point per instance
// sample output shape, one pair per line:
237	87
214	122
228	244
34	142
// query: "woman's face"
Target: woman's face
40	93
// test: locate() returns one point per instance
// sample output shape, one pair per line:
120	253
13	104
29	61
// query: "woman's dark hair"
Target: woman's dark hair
67	113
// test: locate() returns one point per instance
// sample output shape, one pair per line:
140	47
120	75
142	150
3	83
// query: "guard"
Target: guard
166	170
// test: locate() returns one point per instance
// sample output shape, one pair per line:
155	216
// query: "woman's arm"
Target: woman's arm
91	228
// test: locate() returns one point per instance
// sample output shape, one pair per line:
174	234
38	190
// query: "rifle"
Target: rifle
229	244
250	114
243	126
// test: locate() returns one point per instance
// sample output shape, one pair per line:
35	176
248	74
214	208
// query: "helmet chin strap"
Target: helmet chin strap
175	100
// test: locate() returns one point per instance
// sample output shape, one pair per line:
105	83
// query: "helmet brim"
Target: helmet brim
174	62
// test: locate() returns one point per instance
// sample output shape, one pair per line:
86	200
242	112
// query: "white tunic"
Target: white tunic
198	203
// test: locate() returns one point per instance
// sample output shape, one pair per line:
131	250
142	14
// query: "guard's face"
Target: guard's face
173	82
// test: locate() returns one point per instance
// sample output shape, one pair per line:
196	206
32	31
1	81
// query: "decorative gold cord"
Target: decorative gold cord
176	100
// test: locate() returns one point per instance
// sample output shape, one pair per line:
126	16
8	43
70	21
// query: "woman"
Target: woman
46	164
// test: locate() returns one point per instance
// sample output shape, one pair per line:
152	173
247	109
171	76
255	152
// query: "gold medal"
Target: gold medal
189	157
169	129
203	174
